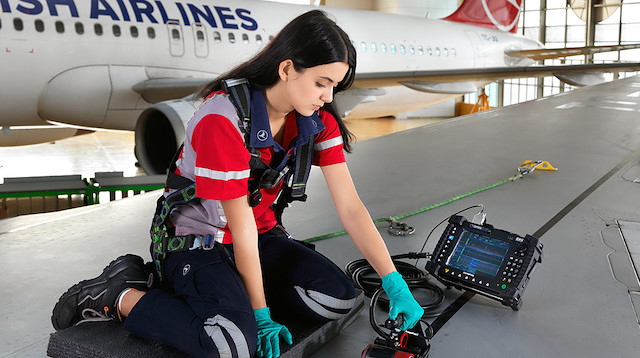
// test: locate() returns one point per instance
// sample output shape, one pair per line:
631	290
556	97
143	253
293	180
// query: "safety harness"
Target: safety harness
295	175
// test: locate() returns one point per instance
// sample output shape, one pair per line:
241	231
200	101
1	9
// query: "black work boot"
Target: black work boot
96	299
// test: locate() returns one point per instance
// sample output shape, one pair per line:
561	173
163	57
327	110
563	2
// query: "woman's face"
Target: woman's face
313	87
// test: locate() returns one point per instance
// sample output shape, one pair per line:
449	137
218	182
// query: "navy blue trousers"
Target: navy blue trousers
208	314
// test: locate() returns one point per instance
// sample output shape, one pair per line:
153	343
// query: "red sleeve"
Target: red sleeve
222	160
328	147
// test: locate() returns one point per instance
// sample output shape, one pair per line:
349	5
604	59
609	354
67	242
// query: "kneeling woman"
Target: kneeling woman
219	301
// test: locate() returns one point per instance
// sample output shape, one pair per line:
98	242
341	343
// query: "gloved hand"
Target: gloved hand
269	333
401	300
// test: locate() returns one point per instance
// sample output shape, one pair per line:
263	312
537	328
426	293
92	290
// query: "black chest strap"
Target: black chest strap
263	176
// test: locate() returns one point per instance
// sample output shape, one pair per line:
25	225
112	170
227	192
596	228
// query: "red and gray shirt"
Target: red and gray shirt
216	158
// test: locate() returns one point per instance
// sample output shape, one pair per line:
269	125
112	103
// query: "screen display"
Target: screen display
478	253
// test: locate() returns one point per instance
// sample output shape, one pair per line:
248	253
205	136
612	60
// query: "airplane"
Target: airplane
72	66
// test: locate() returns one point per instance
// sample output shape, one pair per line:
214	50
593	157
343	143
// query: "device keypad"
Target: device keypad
512	268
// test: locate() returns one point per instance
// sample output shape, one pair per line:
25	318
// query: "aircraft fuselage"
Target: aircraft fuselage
76	61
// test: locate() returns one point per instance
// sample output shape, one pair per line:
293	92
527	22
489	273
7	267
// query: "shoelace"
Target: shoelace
91	315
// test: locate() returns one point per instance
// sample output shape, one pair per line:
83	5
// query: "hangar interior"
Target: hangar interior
583	301
555	23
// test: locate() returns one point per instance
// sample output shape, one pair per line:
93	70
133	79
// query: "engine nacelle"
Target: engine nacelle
160	130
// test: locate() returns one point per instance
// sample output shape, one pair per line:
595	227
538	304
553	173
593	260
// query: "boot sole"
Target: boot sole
114	268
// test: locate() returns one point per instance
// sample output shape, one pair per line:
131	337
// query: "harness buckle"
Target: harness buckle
209	243
297	192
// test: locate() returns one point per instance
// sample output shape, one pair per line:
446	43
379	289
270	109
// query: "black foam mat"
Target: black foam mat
109	340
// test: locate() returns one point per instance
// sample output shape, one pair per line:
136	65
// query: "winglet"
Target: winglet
496	14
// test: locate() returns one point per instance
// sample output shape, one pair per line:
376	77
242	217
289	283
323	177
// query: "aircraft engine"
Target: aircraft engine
160	130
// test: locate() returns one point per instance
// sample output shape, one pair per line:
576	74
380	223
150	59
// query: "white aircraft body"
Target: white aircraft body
68	65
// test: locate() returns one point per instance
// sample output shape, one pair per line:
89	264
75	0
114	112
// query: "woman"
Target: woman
219	301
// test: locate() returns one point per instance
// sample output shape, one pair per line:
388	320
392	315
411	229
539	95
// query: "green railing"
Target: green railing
69	185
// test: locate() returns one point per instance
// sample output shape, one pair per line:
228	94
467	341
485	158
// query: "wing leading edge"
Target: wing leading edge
440	81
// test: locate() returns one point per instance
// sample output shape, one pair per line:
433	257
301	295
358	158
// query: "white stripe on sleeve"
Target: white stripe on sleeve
220	175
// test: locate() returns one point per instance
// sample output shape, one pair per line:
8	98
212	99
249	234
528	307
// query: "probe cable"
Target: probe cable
394	219
365	278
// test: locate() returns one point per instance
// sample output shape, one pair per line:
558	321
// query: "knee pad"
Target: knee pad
228	338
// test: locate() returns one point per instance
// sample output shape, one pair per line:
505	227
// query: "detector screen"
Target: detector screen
478	253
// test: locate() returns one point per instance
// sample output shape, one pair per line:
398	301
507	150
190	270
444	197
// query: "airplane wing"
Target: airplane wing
162	89
462	80
438	81
552	53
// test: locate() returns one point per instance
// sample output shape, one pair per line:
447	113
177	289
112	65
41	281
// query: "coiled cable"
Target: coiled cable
365	278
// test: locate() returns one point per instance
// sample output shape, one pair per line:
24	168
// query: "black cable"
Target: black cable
365	278
440	223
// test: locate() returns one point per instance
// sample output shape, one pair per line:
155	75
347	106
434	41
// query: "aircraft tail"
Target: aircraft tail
496	14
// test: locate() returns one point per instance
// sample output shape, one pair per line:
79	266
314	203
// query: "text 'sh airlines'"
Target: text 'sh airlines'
140	11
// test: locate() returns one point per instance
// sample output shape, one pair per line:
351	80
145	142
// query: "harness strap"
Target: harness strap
262	177
303	168
238	89
295	192
178	197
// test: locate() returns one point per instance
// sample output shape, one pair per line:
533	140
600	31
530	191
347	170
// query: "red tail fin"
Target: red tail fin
496	14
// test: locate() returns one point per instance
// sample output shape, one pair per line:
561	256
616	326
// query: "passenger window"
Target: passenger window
17	24
216	37
420	51
232	38
79	28
97	28
437	51
200	36
445	51
116	31
453	52
363	46
60	27
259	39
0	23
175	34
134	31
151	33
393	48
245	39
39	25
383	47
374	48
402	49
429	51
412	50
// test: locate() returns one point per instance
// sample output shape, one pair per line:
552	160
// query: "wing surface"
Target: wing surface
384	79
551	53
163	89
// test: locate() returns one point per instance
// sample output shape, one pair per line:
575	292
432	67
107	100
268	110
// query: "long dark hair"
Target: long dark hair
309	40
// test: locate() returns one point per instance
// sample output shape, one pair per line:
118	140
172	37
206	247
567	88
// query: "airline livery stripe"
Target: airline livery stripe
220	175
329	143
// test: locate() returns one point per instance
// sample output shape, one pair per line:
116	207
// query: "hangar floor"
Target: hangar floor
107	151
113	151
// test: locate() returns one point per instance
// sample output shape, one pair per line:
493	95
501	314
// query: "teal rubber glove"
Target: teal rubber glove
401	300
269	333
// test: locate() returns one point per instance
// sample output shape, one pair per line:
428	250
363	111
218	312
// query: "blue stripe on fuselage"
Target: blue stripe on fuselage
153	11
